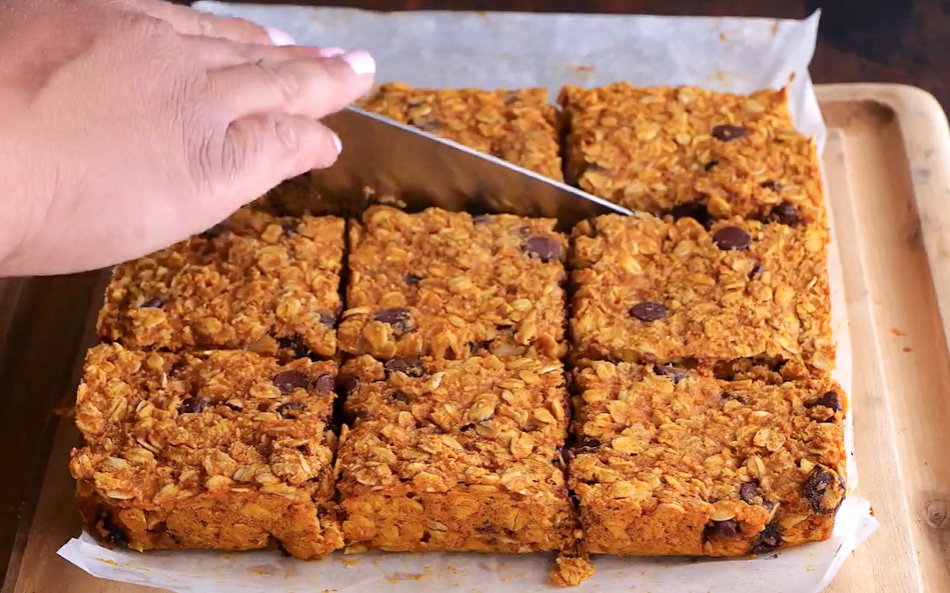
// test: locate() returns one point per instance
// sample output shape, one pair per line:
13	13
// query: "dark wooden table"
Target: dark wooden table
860	40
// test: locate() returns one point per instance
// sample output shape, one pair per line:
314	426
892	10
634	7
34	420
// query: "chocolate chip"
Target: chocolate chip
411	367
215	231
295	344
756	272
290	225
287	381
400	319
193	405
786	213
767	540
748	492
351	385
412	279
823	490
676	375
727	132
486	528
544	248
328	319
399	396
731	237
482	219
648	311
708	166
113	534
769	185
324	384
153	303
721	529
829	399
694	210
467	427
291	409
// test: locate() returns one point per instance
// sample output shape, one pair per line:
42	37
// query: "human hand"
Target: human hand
127	126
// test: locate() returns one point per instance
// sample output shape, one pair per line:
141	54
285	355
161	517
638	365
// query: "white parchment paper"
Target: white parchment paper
497	50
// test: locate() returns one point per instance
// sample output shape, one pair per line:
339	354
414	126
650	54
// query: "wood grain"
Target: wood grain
888	167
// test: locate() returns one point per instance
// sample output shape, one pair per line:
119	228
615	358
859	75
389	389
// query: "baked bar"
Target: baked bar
515	125
652	290
411	487
447	285
672	461
483	395
254	282
222	450
692	152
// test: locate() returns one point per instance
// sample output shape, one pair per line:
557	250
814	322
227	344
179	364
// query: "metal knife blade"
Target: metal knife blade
421	170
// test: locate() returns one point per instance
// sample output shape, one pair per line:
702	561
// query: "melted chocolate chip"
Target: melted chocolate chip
294	343
694	210
467	427
324	384
823	490
399	396
400	319
727	132
769	185
291	409
721	529
732	238
411	367
767	540
153	303
676	375
412	279
351	385
544	248
112	533
486	528
328	319
287	381
708	166
648	311
193	405
786	213
290	225
756	272
829	399
748	492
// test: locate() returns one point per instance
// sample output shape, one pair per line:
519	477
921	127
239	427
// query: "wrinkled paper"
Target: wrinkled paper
511	50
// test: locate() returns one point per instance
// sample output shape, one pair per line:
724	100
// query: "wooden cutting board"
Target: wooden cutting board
888	167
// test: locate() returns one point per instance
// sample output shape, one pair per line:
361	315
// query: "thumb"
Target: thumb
262	150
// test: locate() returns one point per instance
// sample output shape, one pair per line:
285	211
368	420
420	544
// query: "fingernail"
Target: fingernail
278	37
330	52
360	61
337	144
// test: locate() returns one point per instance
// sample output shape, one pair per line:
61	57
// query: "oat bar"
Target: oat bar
447	284
515	125
411	487
672	461
688	150
223	450
664	291
254	282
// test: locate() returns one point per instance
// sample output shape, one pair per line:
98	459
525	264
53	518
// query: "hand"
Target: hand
127	126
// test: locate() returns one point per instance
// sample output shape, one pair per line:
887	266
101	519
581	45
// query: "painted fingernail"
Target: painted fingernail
278	37
330	52
360	61
337	144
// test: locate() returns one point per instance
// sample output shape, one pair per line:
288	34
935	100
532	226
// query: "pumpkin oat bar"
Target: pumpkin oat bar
449	285
517	126
671	461
409	486
483	395
254	282
654	290
222	450
691	151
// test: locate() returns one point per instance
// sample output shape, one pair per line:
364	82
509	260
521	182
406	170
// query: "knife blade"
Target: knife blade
384	158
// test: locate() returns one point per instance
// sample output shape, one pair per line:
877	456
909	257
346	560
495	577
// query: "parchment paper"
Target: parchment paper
442	49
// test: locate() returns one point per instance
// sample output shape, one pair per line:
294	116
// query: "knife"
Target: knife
382	158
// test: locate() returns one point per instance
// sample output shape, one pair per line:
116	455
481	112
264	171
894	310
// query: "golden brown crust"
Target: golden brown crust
658	148
673	461
662	291
445	284
223	450
517	126
256	282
